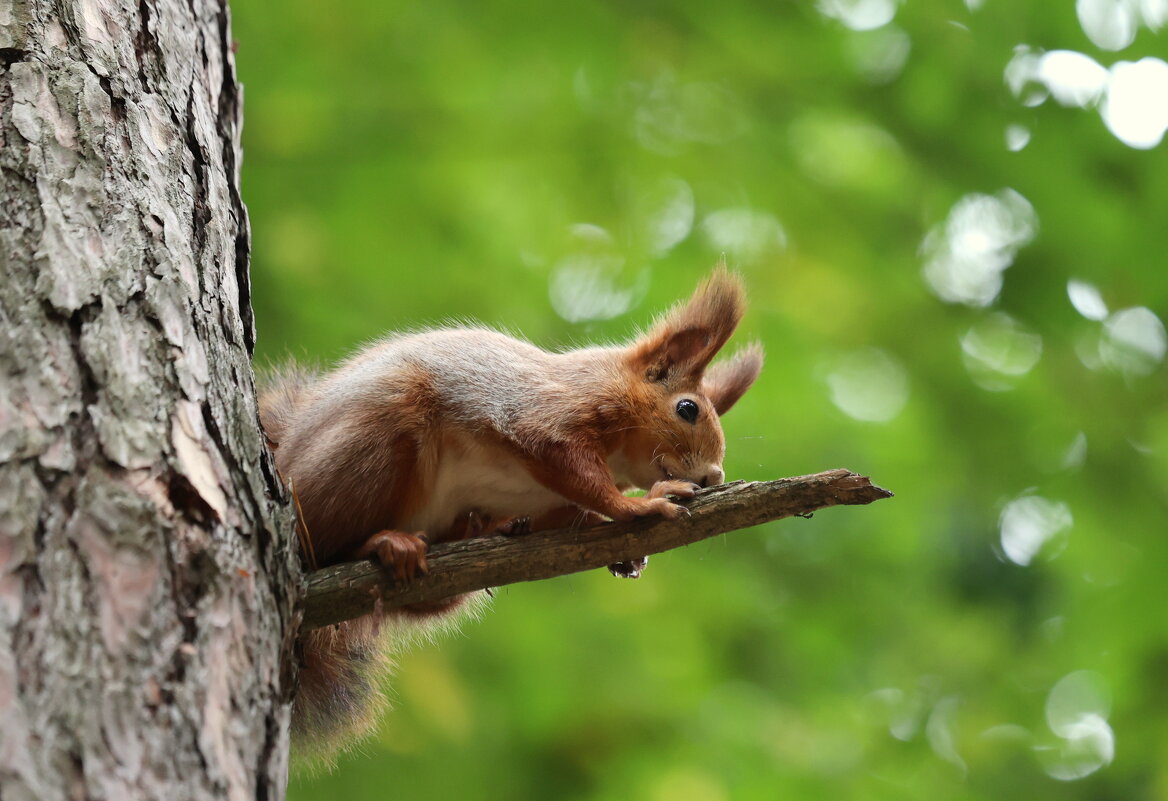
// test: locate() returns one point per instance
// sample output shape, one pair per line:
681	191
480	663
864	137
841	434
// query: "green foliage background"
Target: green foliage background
408	164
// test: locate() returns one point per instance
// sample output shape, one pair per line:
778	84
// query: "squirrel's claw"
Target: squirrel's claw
515	527
404	554
678	489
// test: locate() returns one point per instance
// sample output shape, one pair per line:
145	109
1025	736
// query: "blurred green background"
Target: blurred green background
953	221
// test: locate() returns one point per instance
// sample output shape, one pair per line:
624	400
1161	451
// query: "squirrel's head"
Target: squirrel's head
678	397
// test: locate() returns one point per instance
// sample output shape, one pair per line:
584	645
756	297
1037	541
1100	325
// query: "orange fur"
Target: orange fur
454	432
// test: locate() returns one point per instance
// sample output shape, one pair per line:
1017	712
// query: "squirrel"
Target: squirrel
456	432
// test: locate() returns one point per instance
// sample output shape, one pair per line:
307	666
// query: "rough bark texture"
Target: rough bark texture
343	592
146	587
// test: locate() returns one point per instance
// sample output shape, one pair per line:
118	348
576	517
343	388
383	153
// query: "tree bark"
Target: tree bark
146	579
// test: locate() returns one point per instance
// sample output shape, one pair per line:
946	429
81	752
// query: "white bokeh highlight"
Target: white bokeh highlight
859	15
998	350
745	234
1136	107
1109	24
880	55
868	385
1017	137
590	282
1132	97
1027	524
1074	79
967	254
1086	299
1134	341
665	212
1077	708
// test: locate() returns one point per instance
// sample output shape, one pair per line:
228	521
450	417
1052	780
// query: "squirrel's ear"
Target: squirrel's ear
727	381
671	352
688	336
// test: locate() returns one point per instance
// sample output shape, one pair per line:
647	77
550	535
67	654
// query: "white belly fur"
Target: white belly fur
470	477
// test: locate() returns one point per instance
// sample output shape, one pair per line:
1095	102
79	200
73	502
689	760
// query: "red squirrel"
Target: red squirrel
432	436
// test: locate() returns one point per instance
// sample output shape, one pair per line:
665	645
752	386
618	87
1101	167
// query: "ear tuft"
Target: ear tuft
689	335
728	380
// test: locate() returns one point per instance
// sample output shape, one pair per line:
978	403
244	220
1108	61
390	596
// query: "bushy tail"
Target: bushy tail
344	667
281	390
339	699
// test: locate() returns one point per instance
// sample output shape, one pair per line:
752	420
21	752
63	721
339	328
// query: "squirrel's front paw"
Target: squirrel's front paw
404	554
646	507
654	501
678	489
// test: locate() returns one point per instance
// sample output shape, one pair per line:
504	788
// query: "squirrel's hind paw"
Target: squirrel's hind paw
514	527
404	554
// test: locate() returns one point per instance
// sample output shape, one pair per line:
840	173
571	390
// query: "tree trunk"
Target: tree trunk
146	579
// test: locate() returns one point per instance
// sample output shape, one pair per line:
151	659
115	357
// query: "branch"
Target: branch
347	591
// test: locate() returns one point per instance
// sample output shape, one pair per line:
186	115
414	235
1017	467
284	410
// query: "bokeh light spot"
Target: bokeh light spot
880	55
997	349
1132	96
1083	692
1029	523
1021	76
1109	24
1134	341
1076	711
869	385
1086	299
965	256
589	282
1076	452
1154	12
1087	746
1074	79
665	212
903	713
1136	106
1017	137
746	234
859	15
939	731
669	115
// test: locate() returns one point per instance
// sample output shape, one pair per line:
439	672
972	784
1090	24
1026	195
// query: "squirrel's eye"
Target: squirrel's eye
687	410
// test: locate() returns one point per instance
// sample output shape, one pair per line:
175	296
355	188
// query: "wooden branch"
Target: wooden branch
347	591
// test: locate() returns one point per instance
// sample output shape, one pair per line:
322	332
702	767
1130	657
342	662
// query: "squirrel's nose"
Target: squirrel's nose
713	476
